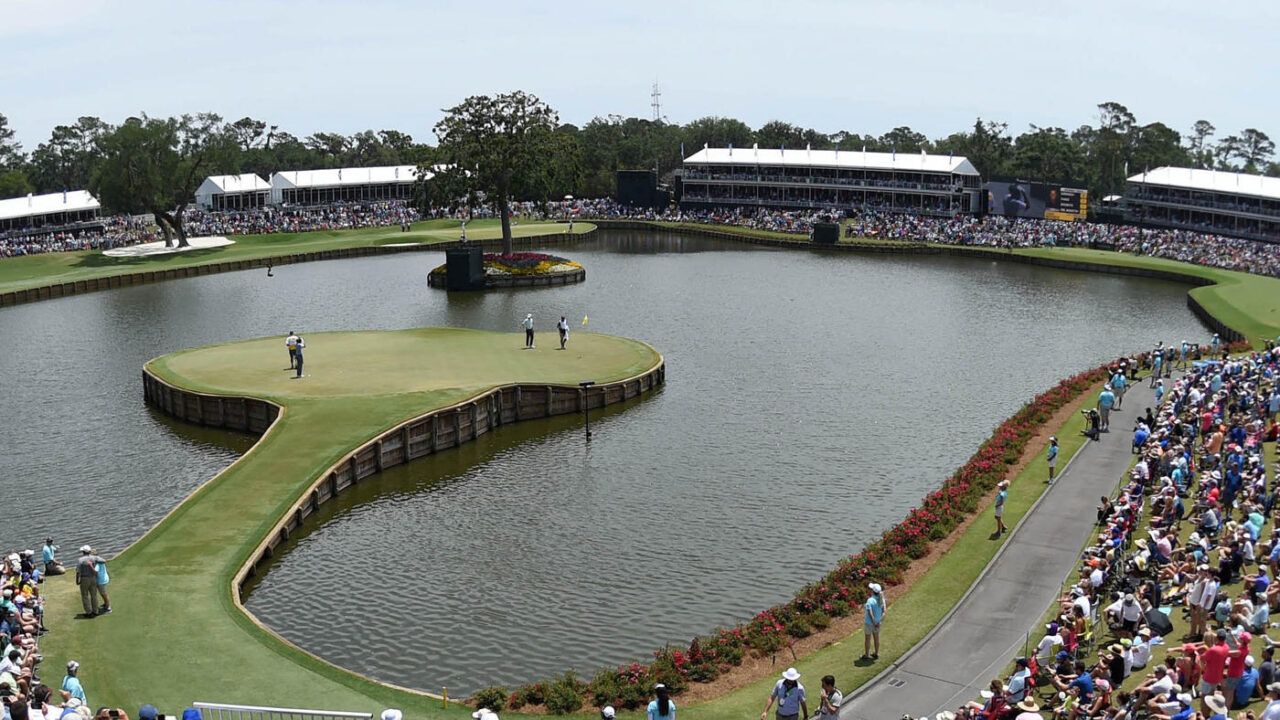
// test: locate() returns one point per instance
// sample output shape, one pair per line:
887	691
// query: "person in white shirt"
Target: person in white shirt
291	343
830	699
1272	711
1045	650
1141	652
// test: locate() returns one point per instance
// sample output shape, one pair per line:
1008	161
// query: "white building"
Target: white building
1226	203
832	179
55	211
315	187
233	192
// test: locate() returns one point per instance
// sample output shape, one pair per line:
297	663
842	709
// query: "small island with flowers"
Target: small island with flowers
519	269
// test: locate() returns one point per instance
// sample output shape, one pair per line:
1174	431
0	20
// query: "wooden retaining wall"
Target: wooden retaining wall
422	436
517	281
1228	333
49	292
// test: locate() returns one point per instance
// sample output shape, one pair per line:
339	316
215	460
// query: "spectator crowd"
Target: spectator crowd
1168	617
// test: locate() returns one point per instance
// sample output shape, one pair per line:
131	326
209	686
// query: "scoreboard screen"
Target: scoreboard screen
1016	197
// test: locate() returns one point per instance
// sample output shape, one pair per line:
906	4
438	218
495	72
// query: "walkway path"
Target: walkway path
987	629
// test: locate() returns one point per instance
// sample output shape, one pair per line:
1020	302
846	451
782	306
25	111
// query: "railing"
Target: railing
218	711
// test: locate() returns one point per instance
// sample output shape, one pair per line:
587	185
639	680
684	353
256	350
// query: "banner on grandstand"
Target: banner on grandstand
1018	197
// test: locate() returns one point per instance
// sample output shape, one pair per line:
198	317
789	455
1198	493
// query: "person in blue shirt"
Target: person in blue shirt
49	555
1247	685
103	579
1157	358
71	683
790	696
1052	456
872	616
1119	383
1106	401
662	708
1159	392
1001	496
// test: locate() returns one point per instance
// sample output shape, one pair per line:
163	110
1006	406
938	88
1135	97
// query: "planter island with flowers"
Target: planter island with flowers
519	269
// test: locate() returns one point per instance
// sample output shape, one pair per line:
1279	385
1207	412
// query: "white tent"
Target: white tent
54	209
391	182
223	191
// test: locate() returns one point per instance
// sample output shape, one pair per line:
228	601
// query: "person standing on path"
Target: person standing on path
87	579
872	616
1053	457
829	703
297	356
102	579
1106	400
528	331
1157	360
291	342
563	327
1001	496
790	696
1120	384
661	707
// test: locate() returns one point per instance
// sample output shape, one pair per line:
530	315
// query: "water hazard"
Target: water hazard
811	400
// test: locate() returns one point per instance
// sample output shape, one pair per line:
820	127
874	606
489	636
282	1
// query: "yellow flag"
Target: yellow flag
584	319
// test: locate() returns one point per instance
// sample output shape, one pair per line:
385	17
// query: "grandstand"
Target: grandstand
832	179
370	184
233	192
1211	201
67	210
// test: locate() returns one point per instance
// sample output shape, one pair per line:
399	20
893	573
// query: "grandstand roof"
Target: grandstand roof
344	176
245	182
857	159
35	205
1211	180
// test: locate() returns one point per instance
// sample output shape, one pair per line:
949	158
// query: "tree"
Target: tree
1198	144
1047	154
904	140
11	156
714	131
1157	145
67	161
247	132
779	134
499	146
14	183
153	165
1251	147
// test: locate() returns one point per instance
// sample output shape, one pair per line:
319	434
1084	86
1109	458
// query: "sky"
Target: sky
863	66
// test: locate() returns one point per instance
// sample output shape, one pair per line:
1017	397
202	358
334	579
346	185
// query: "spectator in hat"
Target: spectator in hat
148	712
1017	689
481	714
1002	494
1216	707
608	713
663	708
789	694
71	687
87	579
1028	710
872	616
1247	686
1106	401
1052	457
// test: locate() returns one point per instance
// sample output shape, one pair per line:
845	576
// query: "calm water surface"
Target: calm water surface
811	400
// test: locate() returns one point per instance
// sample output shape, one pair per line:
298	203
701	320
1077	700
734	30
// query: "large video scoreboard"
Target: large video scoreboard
1016	197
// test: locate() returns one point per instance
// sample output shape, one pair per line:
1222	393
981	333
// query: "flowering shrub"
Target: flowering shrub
844	589
522	263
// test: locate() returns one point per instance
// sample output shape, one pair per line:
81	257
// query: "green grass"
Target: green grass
176	635
21	273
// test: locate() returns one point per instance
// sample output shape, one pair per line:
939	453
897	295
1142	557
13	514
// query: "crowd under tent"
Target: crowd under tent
1212	201
233	192
318	187
831	179
67	210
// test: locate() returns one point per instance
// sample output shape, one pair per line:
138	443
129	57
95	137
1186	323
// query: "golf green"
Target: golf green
177	633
